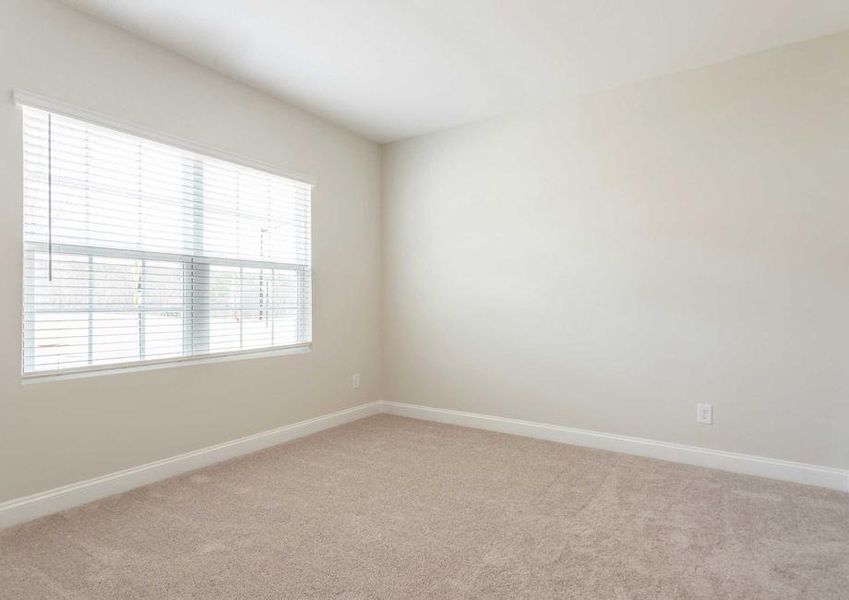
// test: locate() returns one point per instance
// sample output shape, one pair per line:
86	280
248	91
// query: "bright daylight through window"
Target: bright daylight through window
136	251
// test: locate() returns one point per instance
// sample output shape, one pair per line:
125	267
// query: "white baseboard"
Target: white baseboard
828	477
58	499
44	503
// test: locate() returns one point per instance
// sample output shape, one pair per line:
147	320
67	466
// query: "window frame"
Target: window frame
192	262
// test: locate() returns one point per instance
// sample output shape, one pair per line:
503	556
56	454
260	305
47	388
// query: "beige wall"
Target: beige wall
603	263
56	433
609	262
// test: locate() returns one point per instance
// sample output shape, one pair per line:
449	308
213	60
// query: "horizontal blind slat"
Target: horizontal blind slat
154	251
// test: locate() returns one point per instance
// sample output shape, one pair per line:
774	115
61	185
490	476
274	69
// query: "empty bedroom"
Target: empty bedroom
424	299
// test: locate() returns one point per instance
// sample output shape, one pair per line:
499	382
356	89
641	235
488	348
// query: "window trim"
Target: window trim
24	98
163	363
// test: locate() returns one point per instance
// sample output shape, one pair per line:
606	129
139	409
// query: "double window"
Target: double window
137	251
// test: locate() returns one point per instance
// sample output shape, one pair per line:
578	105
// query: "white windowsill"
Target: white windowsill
167	363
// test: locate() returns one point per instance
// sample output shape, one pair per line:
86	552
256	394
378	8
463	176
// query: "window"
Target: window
136	251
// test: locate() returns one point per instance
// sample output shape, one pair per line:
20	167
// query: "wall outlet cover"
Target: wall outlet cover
704	413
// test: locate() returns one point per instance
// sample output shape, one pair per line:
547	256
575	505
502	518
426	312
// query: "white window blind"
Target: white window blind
136	251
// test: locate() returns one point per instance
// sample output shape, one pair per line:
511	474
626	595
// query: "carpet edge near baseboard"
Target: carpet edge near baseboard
734	462
19	510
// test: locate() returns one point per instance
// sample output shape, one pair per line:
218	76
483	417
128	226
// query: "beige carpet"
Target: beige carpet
396	508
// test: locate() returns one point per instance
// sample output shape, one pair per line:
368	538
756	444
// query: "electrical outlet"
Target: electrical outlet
704	413
355	381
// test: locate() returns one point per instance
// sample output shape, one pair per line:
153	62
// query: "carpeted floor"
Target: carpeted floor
388	507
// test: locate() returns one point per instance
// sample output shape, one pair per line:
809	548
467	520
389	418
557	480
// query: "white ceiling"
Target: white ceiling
391	69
